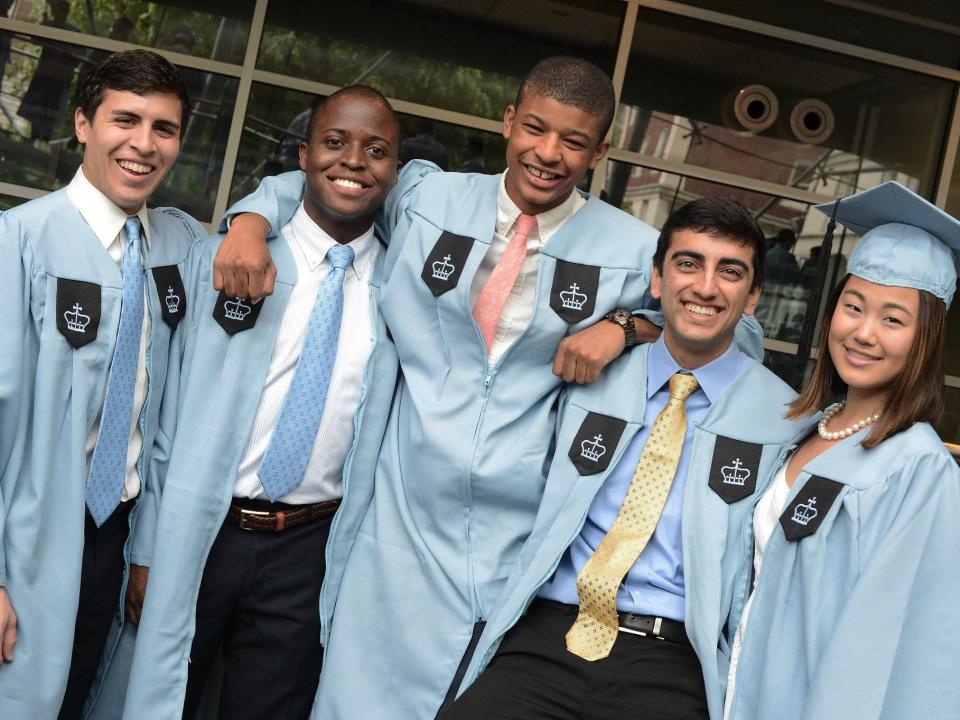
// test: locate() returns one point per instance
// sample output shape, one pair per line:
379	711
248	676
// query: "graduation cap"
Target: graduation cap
905	240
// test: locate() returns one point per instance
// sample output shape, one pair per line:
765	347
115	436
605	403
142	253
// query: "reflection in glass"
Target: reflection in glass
9	201
277	120
951	346
220	35
953	196
949	426
465	57
770	110
788	369
925	31
38	147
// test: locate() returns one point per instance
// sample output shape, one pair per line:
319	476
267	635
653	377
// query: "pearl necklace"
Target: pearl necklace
847	431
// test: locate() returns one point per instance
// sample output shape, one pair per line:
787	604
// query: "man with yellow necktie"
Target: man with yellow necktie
626	579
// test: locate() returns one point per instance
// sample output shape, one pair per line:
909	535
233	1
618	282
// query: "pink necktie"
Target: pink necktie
497	289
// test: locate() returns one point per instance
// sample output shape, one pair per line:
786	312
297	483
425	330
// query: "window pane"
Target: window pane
702	94
794	233
467	57
219	31
787	368
9	201
922	30
949	426
277	120
38	91
953	196
951	347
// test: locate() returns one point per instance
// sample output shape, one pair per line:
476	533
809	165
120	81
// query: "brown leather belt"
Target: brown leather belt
274	521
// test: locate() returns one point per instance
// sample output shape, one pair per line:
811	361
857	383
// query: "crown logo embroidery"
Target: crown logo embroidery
573	300
76	320
236	309
805	512
735	473
593	449
443	269
172	300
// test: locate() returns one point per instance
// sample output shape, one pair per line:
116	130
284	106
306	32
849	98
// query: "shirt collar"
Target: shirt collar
101	213
713	377
548	222
314	242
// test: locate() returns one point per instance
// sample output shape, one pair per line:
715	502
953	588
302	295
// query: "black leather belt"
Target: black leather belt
277	517
657	628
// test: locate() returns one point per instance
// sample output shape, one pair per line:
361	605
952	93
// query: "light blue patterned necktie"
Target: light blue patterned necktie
291	444
109	463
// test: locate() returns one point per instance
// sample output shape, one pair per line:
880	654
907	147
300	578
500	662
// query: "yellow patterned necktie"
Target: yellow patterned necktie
595	630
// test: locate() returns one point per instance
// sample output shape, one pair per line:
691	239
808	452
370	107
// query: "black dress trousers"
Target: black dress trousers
260	601
534	677
101	578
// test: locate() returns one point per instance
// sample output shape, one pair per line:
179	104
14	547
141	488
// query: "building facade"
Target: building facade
780	104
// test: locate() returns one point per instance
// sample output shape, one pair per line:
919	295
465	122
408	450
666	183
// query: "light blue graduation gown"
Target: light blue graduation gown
217	400
741	437
858	619
436	508
50	395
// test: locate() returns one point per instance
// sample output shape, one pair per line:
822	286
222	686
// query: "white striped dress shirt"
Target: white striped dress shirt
323	477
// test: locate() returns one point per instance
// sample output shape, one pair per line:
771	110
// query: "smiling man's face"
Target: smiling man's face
130	144
704	287
350	160
550	147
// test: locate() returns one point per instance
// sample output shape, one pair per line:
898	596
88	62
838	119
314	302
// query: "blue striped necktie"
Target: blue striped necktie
109	463
291	444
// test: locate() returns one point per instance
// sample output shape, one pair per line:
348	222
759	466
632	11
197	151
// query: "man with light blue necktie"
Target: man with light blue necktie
92	296
266	411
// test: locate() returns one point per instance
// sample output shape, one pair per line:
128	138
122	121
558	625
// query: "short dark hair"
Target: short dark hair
363	91
915	395
137	71
719	217
572	81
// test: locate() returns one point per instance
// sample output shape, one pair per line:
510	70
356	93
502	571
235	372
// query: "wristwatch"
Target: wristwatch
624	318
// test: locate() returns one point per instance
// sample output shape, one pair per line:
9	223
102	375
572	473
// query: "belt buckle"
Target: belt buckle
244	514
654	631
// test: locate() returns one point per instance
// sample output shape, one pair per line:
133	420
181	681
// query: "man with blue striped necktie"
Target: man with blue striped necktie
266	422
92	296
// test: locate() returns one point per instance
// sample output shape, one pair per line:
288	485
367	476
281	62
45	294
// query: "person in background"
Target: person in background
45	101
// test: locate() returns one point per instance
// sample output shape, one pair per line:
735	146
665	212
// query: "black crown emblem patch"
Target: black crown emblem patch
78	311
807	511
444	265
171	293
574	292
594	444
235	314
733	471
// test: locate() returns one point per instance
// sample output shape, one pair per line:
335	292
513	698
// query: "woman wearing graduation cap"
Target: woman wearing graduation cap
850	611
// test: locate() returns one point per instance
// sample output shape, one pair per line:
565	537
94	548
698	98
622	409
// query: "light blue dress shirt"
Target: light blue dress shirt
654	585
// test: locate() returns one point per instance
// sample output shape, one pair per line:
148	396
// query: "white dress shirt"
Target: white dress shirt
106	220
322	479
518	310
766	517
